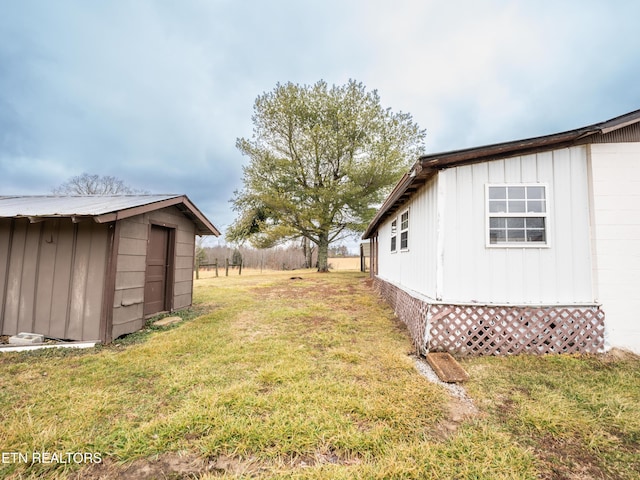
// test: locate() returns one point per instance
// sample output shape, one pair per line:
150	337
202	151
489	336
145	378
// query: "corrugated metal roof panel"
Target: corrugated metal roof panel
630	133
102	208
68	206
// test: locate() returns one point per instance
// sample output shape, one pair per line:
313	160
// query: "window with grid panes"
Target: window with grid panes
404	230
517	215
394	229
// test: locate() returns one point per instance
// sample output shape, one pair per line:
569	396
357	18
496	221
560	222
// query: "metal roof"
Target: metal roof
101	208
428	165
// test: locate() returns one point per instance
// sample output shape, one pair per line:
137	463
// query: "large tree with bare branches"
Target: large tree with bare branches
87	184
320	159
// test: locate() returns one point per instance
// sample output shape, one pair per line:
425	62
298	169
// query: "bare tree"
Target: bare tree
87	184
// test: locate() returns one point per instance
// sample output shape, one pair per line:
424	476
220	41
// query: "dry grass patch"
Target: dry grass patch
579	414
307	378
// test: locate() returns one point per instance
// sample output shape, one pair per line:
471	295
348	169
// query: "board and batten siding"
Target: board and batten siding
128	304
448	259
559	273
52	277
615	174
413	269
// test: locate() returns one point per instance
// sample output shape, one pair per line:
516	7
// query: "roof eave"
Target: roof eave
203	225
182	202
503	150
407	185
429	165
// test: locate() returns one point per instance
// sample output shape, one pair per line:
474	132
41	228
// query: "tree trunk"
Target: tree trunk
310	256
306	249
323	253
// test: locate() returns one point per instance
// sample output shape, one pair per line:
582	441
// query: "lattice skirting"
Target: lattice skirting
496	330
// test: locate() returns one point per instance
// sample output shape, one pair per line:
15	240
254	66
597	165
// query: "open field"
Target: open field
336	264
344	263
311	377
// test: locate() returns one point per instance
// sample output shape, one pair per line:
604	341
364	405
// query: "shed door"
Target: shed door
156	287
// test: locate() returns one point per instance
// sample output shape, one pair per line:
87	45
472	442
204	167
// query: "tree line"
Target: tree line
291	257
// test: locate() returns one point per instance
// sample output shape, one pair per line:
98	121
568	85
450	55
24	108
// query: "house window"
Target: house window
394	230
517	215
404	231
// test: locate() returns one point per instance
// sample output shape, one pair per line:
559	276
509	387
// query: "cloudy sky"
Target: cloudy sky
156	92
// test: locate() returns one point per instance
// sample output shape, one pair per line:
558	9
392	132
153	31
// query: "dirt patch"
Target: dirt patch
617	355
171	466
459	410
565	458
280	291
309	290
460	406
322	458
175	466
167	466
226	465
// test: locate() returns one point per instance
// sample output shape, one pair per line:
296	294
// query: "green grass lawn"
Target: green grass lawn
313	378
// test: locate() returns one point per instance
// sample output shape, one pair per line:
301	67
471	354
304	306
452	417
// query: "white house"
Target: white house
525	246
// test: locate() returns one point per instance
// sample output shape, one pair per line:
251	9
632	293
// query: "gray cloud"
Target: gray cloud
156	92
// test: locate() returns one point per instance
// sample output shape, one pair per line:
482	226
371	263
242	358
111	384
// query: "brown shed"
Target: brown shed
94	267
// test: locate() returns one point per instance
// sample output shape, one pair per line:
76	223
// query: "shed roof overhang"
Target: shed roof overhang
100	209
182	202
428	165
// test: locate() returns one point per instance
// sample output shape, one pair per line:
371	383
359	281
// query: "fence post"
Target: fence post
226	262
216	267
240	272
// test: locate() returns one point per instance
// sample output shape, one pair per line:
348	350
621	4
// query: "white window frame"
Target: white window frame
394	235
404	230
545	215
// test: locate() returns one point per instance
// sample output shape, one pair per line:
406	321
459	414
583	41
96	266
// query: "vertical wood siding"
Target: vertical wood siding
415	268
128	305
455	265
52	277
557	274
615	172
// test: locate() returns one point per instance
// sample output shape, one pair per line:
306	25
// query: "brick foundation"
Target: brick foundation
494	329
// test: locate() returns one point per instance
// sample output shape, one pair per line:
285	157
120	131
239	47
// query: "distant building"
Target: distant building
365	256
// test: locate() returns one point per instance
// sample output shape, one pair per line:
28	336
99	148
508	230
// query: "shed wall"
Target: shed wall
128	304
52	277
616	238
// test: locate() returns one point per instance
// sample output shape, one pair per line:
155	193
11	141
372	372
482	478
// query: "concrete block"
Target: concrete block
24	338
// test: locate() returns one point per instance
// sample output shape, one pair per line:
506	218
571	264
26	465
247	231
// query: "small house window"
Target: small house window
404	230
394	235
517	215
